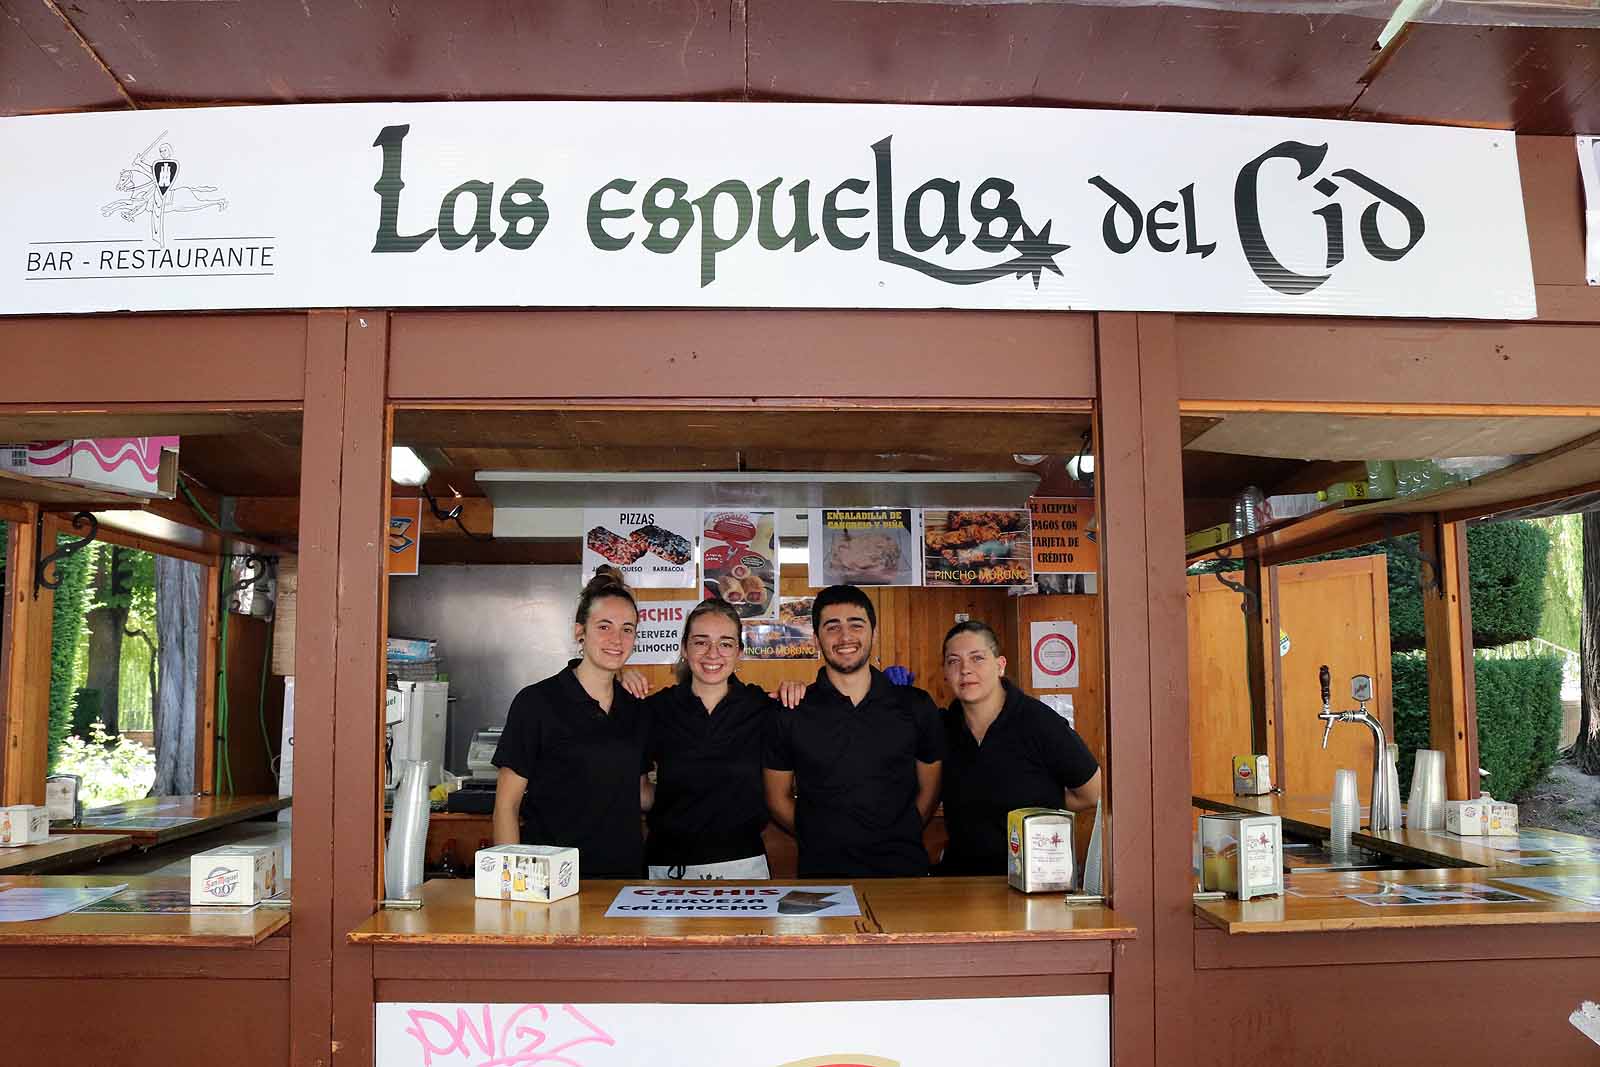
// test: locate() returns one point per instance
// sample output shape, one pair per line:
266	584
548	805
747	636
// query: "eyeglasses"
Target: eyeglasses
727	645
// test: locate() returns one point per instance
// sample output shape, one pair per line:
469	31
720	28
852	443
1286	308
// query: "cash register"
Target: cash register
476	795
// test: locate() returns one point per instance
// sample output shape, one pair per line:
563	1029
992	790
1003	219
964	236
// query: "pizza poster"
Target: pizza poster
739	560
653	547
976	548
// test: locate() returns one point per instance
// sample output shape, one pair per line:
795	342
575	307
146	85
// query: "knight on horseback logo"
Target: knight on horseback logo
150	187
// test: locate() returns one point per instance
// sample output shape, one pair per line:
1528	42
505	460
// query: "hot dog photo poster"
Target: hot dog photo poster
739	560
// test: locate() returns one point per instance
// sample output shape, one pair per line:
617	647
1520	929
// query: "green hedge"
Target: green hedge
1506	562
65	634
1519	718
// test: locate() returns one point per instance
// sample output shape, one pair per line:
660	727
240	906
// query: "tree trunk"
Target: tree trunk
178	628
1586	749
106	623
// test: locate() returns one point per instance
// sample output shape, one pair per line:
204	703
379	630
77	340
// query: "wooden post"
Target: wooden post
1447	628
1261	663
316	631
25	666
205	741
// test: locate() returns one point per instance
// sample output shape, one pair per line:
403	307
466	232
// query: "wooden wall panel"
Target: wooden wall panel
1430	1013
188	1022
1332	363
1219	685
1335	612
27	693
1332	613
250	743
154	358
707	354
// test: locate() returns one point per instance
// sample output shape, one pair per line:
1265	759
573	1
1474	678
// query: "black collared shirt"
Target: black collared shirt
855	771
582	767
1029	757
710	805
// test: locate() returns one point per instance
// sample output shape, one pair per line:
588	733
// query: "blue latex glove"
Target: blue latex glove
899	675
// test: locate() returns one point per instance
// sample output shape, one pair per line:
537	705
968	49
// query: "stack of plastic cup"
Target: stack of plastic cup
1425	810
1344	813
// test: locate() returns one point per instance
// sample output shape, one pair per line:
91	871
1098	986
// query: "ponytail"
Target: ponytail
607	582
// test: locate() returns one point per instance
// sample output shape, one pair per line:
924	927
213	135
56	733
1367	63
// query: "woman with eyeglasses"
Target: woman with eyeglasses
706	735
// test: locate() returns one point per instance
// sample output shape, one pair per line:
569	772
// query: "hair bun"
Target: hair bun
606	579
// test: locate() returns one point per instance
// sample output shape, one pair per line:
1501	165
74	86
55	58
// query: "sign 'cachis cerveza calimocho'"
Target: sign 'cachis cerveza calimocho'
757	205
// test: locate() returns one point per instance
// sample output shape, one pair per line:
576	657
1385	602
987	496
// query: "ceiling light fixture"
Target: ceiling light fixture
405	468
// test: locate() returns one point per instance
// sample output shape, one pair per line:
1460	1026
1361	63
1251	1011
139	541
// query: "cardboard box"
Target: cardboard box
1484	817
236	874
1242	854
1500	818
24	824
143	466
1252	776
541	873
1039	855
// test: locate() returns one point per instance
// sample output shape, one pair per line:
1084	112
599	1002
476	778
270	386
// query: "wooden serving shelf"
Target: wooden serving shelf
1320	901
201	928
61	852
157	820
893	911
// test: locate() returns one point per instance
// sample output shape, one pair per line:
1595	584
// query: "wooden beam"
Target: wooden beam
205	748
25	668
1449	647
1257	665
317	533
279	516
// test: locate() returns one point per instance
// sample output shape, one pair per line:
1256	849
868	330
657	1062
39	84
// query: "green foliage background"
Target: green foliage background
66	637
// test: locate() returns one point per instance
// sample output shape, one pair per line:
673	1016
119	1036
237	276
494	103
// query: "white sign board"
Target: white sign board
589	203
659	636
1014	1031
718	901
1054	655
653	547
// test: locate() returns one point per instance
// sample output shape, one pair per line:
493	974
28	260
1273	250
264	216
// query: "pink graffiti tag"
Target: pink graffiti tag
517	1043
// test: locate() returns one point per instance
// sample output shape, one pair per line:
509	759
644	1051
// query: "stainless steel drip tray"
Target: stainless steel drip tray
1304	857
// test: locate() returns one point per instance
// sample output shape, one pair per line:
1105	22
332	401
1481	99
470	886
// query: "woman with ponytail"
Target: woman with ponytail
571	756
705	739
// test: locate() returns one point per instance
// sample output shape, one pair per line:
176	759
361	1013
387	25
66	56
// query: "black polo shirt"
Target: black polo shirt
582	767
855	771
1029	757
710	804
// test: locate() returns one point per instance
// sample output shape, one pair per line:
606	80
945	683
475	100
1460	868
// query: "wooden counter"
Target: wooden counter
893	911
62	852
157	820
1321	901
1292	913
210	928
1307	814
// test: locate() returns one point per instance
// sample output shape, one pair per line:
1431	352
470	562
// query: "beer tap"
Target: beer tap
1385	813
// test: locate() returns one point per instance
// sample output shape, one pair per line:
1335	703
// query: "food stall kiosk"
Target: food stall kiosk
1143	977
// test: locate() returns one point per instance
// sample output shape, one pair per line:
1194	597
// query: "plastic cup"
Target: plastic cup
1344	812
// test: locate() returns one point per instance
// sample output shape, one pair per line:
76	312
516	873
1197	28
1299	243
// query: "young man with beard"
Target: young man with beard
865	753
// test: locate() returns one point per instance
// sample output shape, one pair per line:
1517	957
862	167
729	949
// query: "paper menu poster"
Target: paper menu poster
653	547
864	546
659	636
739	559
976	548
787	636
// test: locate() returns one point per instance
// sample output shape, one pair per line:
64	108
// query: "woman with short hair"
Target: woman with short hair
1004	750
